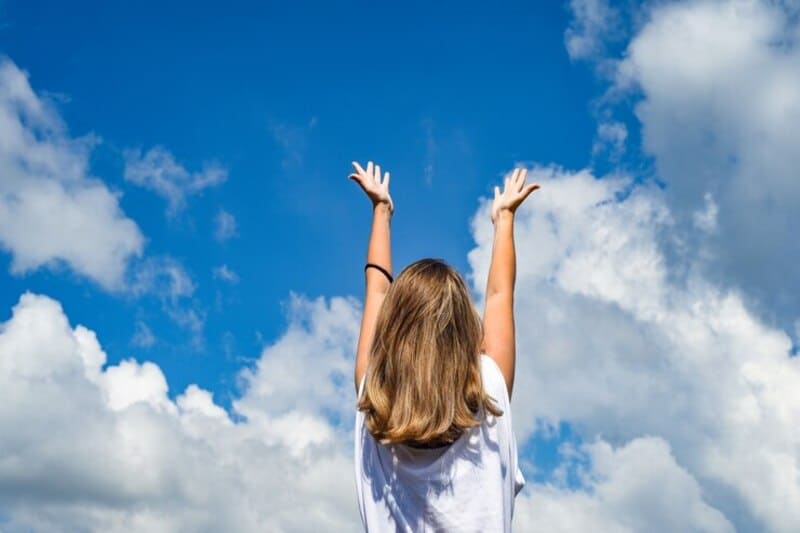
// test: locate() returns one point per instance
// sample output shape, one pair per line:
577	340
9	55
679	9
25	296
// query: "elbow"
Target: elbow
495	289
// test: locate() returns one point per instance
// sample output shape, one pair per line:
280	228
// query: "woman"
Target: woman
434	445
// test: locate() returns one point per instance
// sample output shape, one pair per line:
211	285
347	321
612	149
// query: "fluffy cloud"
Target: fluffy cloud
52	212
719	90
158	171
86	446
638	487
612	341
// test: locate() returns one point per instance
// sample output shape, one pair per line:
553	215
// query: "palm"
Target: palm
375	186
514	192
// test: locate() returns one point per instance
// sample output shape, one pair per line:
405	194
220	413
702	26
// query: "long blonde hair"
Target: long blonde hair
423	383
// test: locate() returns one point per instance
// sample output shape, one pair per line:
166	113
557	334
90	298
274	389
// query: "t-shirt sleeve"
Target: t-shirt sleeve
495	385
494	382
361	386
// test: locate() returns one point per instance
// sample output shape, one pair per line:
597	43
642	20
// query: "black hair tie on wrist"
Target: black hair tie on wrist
385	273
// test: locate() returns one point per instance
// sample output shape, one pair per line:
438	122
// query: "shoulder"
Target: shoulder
493	381
489	368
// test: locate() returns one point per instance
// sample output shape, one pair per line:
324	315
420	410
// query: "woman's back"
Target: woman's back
469	485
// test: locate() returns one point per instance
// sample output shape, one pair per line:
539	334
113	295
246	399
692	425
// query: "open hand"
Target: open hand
514	192
370	180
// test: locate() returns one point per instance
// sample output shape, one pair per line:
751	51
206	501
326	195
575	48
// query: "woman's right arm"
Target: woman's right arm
498	314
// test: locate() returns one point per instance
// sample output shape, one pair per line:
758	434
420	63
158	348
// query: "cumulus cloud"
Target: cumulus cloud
717	86
158	171
52	211
637	487
54	214
86	446
613	342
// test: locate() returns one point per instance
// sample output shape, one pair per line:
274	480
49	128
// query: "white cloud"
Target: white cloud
52	211
85	446
611	340
281	378
718	86
158	171
225	225
54	214
637	487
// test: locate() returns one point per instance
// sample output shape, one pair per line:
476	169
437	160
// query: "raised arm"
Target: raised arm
498	314
379	252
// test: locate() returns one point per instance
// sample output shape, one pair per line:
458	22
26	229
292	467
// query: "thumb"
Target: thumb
529	189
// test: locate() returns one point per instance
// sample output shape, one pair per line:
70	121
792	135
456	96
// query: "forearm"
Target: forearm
380	249
502	270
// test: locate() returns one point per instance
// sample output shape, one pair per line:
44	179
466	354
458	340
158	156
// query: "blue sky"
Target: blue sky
284	98
182	252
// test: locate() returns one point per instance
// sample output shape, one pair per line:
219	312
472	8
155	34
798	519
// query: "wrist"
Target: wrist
382	208
503	214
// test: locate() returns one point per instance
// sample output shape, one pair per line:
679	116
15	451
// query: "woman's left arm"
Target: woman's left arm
379	252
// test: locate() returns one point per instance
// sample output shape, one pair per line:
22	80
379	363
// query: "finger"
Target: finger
522	173
529	189
358	167
360	181
386	180
377	174
369	170
496	191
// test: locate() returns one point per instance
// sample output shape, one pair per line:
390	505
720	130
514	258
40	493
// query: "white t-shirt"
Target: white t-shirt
467	486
